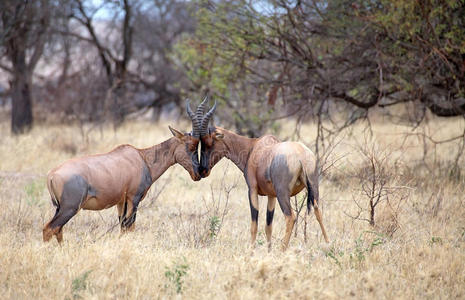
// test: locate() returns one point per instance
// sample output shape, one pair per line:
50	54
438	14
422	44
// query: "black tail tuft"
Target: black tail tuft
310	197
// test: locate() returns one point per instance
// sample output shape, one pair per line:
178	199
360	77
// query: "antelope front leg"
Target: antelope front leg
129	218
121	207
253	201
269	219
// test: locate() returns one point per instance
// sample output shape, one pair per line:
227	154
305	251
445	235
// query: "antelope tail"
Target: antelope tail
310	197
310	193
52	193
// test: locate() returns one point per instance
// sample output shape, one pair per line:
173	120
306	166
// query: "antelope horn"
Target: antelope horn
201	110
196	122
206	120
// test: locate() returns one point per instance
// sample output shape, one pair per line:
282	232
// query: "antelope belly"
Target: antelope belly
94	203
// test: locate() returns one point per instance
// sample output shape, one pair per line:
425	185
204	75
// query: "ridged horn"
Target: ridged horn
196	122
206	120
201	110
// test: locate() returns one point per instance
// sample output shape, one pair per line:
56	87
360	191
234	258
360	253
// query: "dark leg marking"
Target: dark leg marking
127	222
122	218
269	217
253	201
253	212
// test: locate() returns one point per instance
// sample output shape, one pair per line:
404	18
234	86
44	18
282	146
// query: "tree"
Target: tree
158	27
350	56
23	34
422	43
115	61
133	41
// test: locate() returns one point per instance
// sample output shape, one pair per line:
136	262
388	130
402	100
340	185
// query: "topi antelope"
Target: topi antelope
120	177
271	168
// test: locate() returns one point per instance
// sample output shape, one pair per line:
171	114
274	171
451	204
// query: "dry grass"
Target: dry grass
190	243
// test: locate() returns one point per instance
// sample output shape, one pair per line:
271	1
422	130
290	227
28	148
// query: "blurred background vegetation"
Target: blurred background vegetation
331	62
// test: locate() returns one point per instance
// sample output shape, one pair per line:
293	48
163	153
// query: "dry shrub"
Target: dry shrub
200	229
388	219
433	187
381	189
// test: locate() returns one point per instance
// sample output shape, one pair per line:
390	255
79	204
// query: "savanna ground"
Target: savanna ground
192	238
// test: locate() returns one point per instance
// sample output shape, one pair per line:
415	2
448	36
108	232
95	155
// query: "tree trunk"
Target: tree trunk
21	112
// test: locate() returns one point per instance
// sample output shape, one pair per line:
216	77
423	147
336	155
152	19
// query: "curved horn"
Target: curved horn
195	120
206	120
201	110
189	110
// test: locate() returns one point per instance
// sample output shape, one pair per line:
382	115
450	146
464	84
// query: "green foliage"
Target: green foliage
219	56
435	240
435	22
242	54
176	273
215	225
359	252
207	64
261	239
33	192
331	253
79	284
362	247
425	38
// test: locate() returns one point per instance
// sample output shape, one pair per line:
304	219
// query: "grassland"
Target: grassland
192	238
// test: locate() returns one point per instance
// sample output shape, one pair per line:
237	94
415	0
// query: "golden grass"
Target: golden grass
420	255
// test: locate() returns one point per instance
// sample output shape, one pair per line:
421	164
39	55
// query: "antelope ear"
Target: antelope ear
219	136
176	133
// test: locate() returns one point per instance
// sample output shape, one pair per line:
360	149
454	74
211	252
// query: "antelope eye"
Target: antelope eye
192	147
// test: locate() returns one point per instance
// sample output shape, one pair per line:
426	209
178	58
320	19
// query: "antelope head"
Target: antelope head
186	153
212	146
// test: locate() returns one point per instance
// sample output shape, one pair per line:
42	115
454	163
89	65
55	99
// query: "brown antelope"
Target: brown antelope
120	177
271	168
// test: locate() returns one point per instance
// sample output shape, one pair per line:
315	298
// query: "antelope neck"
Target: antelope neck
159	158
238	148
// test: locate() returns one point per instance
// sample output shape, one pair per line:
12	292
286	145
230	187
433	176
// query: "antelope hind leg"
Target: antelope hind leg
269	220
319	218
